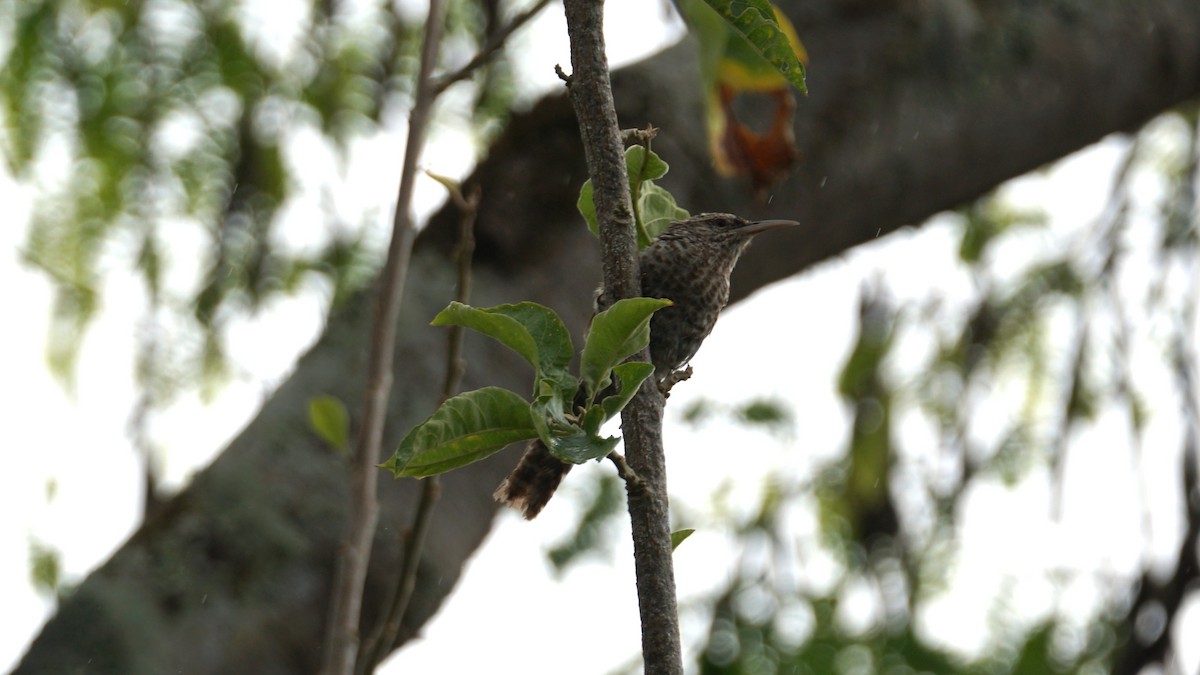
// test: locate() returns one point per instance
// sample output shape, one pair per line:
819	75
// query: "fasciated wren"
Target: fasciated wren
689	264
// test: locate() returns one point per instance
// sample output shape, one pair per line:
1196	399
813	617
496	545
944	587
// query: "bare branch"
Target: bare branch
379	644
341	645
493	45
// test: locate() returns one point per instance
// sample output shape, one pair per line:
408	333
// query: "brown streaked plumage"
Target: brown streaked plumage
689	263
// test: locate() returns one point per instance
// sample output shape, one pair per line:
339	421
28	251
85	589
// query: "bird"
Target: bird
689	263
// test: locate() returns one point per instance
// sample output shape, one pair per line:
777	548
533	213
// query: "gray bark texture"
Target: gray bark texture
591	95
917	106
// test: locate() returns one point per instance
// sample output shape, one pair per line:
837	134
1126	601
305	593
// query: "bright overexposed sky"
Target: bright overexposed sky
73	481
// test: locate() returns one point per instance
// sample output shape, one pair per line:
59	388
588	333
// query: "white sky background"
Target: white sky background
77	439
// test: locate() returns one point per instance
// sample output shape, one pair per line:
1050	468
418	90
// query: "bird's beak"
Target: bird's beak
758	226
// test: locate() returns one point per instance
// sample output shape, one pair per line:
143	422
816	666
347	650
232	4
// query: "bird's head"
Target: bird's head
721	229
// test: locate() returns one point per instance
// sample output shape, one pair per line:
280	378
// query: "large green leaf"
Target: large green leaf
466	429
532	330
547	330
755	20
616	334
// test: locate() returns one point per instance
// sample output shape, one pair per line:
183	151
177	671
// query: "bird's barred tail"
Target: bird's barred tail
531	485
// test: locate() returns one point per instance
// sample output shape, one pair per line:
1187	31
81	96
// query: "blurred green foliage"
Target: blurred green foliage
604	505
45	568
770	414
135	121
1059	332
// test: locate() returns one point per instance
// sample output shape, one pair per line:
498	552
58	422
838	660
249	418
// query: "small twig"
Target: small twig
672	379
376	647
639	136
494	43
626	472
341	643
455	366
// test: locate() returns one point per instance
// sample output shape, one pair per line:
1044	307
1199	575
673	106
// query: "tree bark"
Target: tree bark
916	107
641	421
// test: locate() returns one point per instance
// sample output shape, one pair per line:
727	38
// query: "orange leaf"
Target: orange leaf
765	158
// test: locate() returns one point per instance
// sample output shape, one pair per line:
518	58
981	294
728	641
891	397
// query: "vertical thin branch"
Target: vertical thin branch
641	421
341	643
455	366
591	95
376	647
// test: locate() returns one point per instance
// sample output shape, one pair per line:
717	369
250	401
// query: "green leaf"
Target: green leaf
632	375
579	443
549	410
466	429
327	416
553	342
580	447
616	334
654	207
572	442
592	419
657	210
678	536
533	331
642	165
587	206
755	21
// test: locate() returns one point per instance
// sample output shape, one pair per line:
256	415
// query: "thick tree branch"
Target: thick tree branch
641	422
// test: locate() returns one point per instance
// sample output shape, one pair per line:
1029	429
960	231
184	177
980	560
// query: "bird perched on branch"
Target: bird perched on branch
689	264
